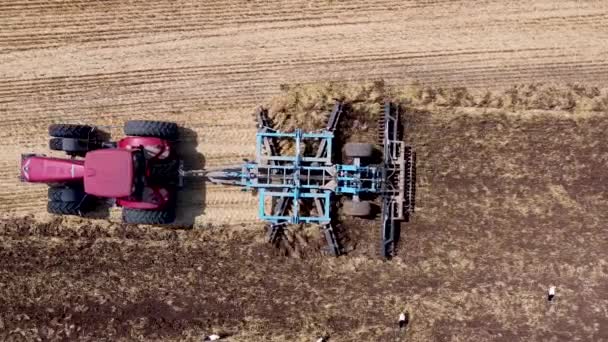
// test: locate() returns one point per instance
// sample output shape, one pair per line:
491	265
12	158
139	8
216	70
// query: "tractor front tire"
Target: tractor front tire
65	200
357	208
358	150
74	147
70	131
65	194
139	216
64	208
158	129
56	144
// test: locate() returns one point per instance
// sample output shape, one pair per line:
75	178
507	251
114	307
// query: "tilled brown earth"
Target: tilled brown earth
510	187
509	202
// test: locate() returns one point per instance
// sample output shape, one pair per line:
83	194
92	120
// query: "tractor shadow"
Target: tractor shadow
191	196
101	135
101	209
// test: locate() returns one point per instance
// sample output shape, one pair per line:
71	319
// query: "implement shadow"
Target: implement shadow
191	197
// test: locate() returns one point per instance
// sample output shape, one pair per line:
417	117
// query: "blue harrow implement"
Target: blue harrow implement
299	187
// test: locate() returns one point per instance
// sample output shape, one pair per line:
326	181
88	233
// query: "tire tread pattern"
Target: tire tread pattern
63	208
70	131
56	144
159	129
138	216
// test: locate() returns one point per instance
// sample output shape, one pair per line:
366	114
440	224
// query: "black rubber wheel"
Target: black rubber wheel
56	144
70	131
64	208
66	200
358	150
360	208
65	194
137	216
74	148
144	128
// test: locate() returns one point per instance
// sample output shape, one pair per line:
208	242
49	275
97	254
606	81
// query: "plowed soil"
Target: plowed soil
506	105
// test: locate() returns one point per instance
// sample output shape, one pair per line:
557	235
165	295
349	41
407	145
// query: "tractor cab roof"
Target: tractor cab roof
109	173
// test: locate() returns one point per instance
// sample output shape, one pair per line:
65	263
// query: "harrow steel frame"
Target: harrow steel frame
283	180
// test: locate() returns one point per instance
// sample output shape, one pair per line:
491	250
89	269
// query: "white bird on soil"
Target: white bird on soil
402	320
212	338
551	293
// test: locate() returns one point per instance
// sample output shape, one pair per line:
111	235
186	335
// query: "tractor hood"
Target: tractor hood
109	173
42	169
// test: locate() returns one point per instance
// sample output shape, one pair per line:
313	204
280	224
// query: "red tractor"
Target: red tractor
139	171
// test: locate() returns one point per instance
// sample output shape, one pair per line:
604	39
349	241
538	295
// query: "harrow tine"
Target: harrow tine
332	242
262	119
332	123
275	232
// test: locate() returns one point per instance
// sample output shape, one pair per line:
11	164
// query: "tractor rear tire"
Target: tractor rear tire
357	208
358	150
70	131
138	216
158	129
